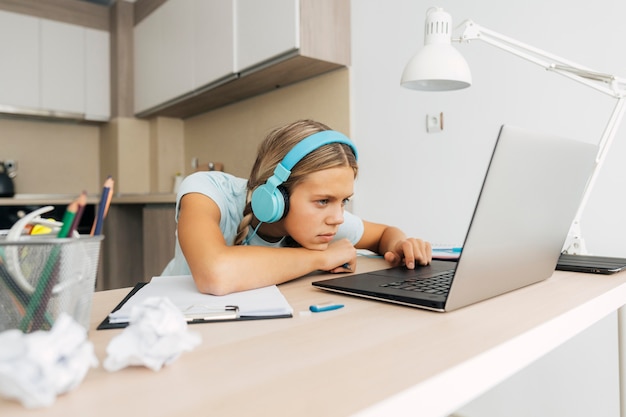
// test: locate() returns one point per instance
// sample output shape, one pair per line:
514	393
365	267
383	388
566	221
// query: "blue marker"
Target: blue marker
328	306
448	250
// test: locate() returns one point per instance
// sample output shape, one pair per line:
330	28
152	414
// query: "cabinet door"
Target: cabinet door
62	66
146	63
19	67
214	46
159	237
97	75
265	30
176	39
164	54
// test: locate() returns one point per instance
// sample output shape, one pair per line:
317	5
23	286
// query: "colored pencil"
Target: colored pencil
68	219
103	206
82	202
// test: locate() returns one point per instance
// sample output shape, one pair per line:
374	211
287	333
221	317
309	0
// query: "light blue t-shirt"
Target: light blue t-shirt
229	193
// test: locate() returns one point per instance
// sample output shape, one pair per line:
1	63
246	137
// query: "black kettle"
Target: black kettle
7	188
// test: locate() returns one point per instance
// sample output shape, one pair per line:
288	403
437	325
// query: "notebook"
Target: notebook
591	264
530	194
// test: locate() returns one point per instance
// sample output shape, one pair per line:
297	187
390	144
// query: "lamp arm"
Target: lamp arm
574	243
606	83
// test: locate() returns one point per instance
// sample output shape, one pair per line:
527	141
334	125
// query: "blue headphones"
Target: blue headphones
269	201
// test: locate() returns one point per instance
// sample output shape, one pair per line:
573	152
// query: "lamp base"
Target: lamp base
575	244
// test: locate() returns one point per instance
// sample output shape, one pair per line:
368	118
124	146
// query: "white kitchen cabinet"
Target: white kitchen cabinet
75	70
147	62
50	68
97	75
176	40
62	67
236	49
265	30
164	54
181	46
214	41
19	52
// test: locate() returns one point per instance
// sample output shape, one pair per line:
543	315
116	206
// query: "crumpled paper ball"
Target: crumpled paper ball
156	335
36	367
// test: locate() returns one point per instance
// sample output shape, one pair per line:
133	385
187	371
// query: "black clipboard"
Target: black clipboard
230	313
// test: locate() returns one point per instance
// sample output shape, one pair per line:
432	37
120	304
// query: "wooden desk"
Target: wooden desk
369	358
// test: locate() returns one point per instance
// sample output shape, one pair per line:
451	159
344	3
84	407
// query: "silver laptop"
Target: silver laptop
530	195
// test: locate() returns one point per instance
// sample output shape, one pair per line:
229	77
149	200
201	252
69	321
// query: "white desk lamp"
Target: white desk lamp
440	67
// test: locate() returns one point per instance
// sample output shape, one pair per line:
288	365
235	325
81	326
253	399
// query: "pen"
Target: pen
327	306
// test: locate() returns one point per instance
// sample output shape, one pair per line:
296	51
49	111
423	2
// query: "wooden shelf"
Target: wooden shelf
289	71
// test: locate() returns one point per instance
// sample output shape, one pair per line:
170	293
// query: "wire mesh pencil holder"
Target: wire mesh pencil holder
42	277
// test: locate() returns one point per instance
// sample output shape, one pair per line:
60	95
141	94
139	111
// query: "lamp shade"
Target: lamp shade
438	66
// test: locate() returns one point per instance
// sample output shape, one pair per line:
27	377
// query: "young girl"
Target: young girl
285	221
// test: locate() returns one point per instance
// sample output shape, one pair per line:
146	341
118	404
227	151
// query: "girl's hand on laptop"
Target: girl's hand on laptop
410	250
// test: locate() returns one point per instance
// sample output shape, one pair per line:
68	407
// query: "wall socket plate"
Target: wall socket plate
434	123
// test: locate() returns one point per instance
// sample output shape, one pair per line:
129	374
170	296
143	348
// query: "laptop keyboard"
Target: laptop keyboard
438	284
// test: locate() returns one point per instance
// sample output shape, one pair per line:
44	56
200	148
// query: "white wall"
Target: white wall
432	180
428	183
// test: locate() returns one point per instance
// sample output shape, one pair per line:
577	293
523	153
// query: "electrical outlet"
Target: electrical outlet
434	123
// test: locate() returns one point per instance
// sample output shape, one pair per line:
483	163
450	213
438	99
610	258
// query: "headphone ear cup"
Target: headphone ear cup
285	196
268	203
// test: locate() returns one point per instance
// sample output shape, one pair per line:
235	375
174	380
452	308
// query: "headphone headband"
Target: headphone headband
311	143
268	201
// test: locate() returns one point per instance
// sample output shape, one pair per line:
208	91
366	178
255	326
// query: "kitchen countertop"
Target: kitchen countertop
62	199
156	198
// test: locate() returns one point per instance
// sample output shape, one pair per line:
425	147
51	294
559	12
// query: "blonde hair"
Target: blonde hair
274	148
